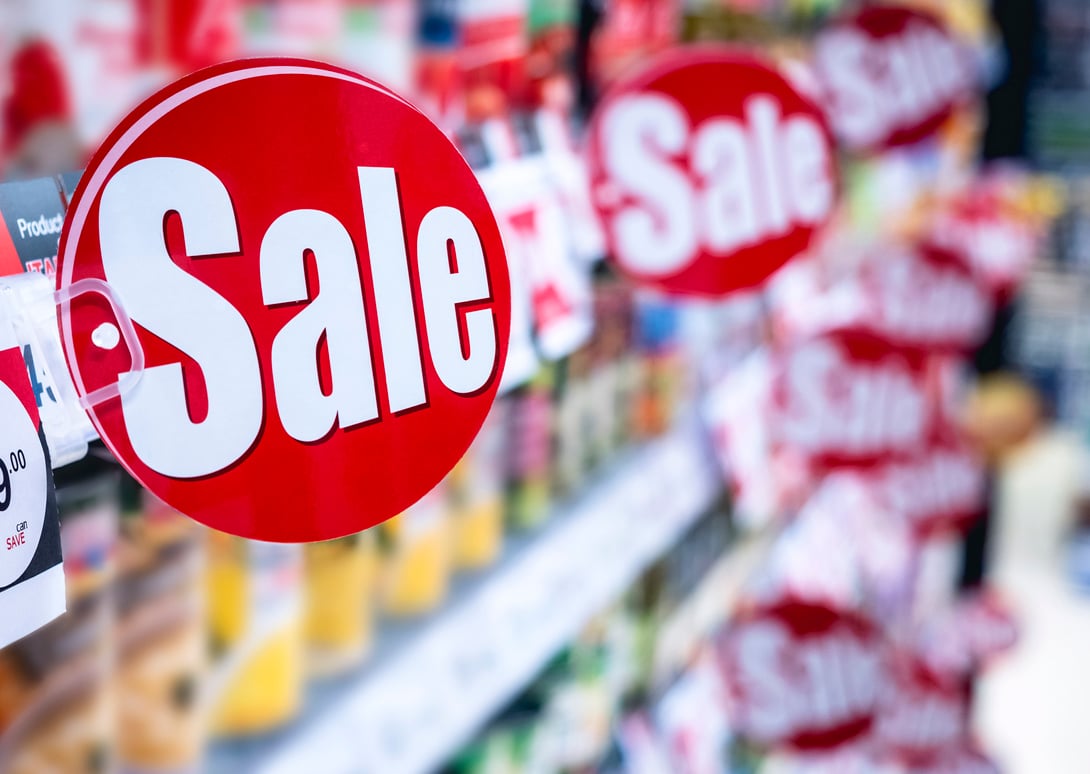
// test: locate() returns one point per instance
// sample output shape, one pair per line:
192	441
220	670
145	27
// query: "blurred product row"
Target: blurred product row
175	632
639	688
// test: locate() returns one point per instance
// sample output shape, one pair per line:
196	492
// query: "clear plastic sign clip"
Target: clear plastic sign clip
31	303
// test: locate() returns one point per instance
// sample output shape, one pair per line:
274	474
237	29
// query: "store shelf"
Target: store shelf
431	686
710	603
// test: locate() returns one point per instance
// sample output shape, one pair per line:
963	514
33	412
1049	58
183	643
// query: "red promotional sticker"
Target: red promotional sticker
845	399
803	676
892	76
709	171
319	291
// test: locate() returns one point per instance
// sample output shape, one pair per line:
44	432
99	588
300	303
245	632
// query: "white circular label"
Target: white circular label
23	488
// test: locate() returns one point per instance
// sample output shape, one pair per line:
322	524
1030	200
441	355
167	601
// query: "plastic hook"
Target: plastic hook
128	380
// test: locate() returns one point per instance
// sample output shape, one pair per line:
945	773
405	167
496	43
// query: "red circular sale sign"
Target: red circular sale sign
939	490
847	398
710	171
803	676
892	76
318	291
924	297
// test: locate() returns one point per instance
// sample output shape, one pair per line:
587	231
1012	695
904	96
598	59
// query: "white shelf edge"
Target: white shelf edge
426	701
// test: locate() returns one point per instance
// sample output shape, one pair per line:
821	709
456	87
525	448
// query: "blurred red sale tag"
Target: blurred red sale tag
925	297
979	225
803	676
710	171
940	490
924	715
846	399
892	76
318	287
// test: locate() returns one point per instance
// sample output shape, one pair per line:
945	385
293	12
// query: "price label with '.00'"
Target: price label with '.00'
24	486
31	573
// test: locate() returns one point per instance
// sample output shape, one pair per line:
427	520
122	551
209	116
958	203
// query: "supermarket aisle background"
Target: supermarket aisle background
1032	704
559	603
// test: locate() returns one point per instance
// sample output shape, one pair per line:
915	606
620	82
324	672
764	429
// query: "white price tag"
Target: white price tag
24	487
31	576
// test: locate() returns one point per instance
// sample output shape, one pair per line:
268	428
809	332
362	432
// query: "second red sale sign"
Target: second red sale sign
318	288
710	171
891	75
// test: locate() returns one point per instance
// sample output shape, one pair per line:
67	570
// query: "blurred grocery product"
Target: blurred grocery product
257	634
660	388
415	557
632	657
530	414
476	497
59	686
162	646
339	608
573	420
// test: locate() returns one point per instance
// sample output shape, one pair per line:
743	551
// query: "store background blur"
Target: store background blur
559	602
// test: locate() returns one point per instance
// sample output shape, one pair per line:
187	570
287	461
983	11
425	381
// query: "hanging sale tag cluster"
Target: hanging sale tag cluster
851	648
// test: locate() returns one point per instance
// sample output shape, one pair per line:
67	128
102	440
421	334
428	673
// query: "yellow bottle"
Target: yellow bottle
475	488
340	581
255	622
416	557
